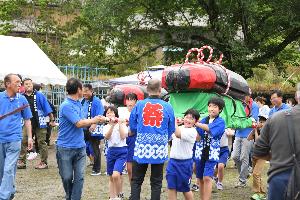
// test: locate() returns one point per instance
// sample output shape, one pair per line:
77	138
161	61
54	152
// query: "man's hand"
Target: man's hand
100	119
30	144
92	127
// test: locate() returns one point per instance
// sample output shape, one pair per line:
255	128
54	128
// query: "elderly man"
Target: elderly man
13	108
274	138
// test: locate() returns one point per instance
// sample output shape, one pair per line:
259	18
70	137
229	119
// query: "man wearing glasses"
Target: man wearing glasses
276	99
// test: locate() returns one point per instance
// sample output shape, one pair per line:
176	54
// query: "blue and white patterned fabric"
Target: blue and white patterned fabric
42	107
216	130
153	121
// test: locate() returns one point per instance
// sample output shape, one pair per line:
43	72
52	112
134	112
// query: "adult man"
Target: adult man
42	113
153	121
70	150
242	146
276	99
11	133
92	107
274	138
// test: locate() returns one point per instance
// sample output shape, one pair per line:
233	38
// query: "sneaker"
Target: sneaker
195	188
250	169
240	184
94	173
124	171
249	175
263	196
219	186
41	165
21	165
32	156
121	195
258	196
215	179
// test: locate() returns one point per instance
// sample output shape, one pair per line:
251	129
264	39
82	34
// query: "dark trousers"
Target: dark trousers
48	135
278	185
97	153
95	142
138	175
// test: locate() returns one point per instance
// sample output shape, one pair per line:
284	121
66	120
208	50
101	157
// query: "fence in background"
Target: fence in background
56	94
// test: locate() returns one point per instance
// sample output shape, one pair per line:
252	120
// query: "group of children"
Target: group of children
195	146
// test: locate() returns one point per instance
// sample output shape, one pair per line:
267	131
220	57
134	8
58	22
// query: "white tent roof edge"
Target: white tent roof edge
23	56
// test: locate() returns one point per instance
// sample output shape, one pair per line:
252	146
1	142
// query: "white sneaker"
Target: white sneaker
219	186
32	156
95	173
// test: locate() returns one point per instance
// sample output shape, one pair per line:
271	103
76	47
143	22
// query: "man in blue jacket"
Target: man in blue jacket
153	121
242	146
42	113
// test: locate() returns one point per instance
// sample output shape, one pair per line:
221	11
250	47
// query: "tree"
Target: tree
125	35
248	32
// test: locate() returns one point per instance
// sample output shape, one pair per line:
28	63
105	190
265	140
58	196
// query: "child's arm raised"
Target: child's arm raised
202	126
177	132
108	131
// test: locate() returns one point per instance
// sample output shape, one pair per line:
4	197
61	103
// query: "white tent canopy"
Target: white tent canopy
23	56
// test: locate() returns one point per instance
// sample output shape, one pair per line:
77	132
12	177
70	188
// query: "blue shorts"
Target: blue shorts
116	159
224	154
205	168
179	174
130	141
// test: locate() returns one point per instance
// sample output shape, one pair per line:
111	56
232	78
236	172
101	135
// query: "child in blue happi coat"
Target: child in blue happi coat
211	129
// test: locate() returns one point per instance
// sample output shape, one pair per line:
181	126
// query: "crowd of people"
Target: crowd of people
139	135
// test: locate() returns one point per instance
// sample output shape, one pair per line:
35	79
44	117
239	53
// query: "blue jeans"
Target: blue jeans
71	165
9	154
278	185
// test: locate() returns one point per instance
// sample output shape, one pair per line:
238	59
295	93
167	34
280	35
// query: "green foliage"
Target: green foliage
9	10
125	36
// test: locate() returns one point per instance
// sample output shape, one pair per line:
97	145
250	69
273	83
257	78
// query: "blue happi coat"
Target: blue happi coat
216	130
153	122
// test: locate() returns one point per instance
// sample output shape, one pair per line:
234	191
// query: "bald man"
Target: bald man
153	122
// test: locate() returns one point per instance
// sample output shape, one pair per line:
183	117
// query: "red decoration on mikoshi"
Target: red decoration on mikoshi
143	78
204	75
119	92
190	52
211	50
